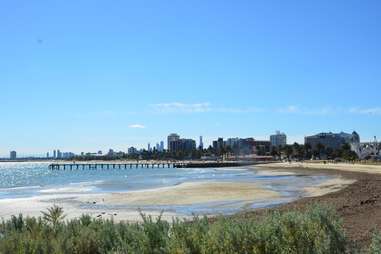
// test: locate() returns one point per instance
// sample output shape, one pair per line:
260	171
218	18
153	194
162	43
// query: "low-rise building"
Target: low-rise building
132	150
68	155
246	146
332	140
262	147
367	149
237	146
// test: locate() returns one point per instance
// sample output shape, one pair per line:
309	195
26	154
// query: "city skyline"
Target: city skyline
161	145
206	141
92	76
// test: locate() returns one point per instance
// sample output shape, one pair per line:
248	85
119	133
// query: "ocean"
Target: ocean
31	179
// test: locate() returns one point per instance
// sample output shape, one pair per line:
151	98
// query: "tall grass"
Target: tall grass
318	230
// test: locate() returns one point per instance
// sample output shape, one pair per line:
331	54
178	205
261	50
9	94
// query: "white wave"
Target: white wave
274	173
73	187
87	183
20	188
68	189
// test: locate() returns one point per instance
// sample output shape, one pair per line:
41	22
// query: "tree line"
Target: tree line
292	152
306	152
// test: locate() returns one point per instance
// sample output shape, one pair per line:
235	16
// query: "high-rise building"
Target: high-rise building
157	147
201	144
47	155
161	146
13	155
233	143
175	144
59	154
54	154
171	142
149	147
278	139
218	144
187	145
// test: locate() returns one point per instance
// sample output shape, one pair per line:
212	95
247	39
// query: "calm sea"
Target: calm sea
20	180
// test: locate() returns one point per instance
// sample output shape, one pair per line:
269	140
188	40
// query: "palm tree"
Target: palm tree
307	151
320	149
296	149
54	215
275	151
288	150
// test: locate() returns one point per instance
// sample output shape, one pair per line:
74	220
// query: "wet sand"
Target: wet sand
33	207
329	186
354	191
97	205
188	193
124	206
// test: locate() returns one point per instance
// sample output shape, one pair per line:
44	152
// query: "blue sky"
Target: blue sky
90	75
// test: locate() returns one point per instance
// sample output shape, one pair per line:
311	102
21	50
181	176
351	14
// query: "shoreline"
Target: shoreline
126	206
345	167
358	204
216	198
189	193
353	191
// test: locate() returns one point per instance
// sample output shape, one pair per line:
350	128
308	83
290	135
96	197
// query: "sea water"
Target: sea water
30	179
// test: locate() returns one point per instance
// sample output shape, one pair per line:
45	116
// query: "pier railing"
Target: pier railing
72	166
75	165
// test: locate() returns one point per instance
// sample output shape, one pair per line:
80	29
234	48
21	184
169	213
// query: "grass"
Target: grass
318	230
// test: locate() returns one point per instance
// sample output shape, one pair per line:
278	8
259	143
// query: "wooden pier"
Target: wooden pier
75	166
131	165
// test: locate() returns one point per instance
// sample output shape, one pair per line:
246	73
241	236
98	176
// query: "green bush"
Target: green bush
318	230
375	246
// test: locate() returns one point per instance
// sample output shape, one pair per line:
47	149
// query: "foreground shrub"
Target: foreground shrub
375	246
318	230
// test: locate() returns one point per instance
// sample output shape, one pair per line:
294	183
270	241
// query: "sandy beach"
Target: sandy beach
348	167
124	206
183	194
188	193
34	206
329	186
357	201
352	190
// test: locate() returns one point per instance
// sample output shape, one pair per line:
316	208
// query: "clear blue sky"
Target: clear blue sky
82	75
